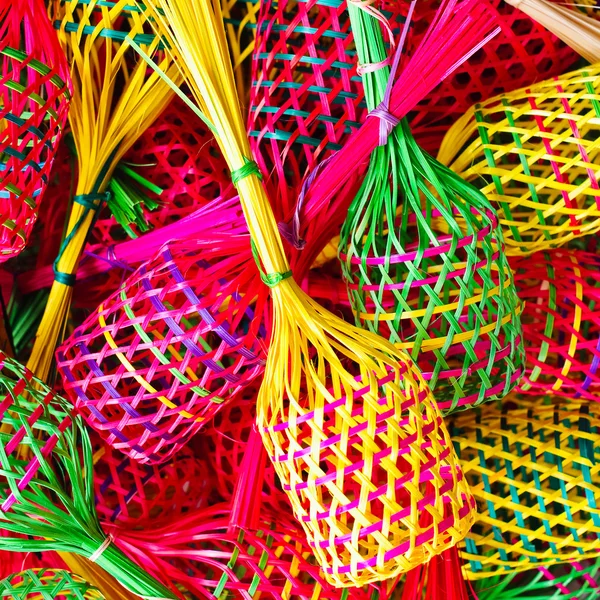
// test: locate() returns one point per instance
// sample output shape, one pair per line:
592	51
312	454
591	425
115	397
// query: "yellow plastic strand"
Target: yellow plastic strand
240	24
326	380
115	98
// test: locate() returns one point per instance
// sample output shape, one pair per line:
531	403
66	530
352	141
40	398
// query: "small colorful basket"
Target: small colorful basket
163	354
35	93
534	154
533	467
423	258
47	584
561	327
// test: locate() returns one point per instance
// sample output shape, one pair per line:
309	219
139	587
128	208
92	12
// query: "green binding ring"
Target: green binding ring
270	279
250	168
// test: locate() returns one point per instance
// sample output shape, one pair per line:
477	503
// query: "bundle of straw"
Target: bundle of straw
47	584
578	30
35	92
114	99
162	355
533	467
46	482
424	259
534	153
134	495
561	325
346	418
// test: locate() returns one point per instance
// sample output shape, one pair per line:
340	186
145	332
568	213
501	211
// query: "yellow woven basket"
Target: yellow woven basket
535	153
535	473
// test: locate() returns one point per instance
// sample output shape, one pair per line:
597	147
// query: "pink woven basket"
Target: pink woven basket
561	324
164	353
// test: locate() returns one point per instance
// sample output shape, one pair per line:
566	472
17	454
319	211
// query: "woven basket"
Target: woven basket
164	353
46	481
429	274
534	154
47	584
34	99
561	327
200	553
578	581
132	495
533	469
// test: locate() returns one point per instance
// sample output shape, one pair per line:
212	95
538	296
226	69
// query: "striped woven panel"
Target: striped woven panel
533	468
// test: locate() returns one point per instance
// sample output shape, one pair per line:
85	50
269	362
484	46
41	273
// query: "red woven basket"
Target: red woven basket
561	323
34	101
137	496
164	353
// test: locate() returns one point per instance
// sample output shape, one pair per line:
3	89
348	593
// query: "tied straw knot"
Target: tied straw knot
249	168
102	548
269	279
91	202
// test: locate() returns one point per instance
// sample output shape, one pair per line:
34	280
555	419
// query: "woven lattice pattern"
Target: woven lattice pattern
428	272
577	581
416	503
274	562
162	355
47	584
134	495
534	154
534	472
561	327
34	101
306	97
